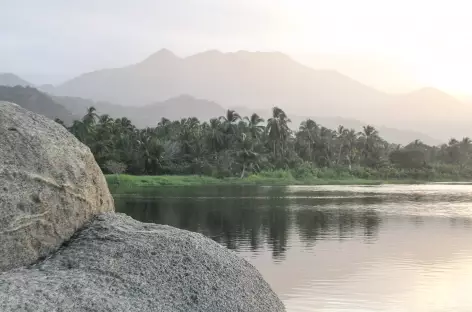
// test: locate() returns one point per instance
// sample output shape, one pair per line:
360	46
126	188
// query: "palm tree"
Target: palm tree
464	148
369	131
231	116
78	129
151	151
254	125
452	142
370	137
278	130
229	120
229	125
351	139
164	122
102	142
466	141
106	122
417	143
125	124
247	156
309	134
215	135
327	142
341	138
86	128
231	146
91	117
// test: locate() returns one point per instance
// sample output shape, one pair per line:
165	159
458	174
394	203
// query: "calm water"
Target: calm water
336	248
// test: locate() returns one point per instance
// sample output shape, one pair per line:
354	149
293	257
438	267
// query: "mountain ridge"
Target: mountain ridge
149	115
12	80
186	75
261	80
37	102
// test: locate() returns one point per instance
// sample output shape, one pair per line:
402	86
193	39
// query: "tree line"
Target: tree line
236	146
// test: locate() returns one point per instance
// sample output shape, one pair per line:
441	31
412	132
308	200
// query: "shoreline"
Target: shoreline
124	182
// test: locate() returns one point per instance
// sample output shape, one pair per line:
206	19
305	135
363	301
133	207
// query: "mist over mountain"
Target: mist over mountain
243	78
383	73
393	135
11	80
148	115
266	79
258	81
187	106
69	108
36	101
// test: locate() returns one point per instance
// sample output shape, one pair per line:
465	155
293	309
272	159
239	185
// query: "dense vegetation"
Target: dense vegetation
235	146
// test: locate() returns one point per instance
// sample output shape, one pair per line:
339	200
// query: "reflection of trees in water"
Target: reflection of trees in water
253	223
317	223
460	221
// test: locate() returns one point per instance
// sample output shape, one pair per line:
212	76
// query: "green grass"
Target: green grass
126	183
163	180
305	174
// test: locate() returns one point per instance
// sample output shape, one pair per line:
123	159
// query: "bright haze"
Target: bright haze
393	63
423	43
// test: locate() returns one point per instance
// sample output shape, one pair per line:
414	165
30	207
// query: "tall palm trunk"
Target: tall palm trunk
339	154
244	171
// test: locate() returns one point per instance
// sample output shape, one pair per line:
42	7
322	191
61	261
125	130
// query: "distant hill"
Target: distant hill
148	115
188	106
383	73
431	111
48	88
392	135
11	80
243	78
263	80
36	101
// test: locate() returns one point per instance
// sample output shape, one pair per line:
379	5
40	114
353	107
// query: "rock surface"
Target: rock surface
119	264
50	186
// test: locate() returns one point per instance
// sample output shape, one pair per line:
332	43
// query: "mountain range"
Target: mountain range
69	108
261	80
36	101
11	80
148	115
215	81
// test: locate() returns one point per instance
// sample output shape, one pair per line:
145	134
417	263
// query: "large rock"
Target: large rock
50	185
119	264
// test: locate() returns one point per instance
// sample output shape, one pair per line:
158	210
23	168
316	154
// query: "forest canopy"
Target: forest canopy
237	146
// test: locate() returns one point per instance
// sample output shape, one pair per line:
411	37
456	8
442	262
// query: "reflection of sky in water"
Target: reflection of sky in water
337	248
404	269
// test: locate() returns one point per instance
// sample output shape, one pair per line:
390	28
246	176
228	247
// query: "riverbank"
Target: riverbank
124	182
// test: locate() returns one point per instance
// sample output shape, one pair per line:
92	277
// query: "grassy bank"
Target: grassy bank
301	176
124	182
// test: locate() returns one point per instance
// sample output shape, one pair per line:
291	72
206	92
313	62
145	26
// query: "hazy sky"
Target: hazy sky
422	42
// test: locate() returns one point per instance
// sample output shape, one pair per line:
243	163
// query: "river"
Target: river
335	248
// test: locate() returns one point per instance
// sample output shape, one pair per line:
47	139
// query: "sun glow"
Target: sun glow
430	37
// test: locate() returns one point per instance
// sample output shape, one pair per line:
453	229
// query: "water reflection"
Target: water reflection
249	218
251	223
336	248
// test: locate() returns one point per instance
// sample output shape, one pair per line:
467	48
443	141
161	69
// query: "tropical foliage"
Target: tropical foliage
236	146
